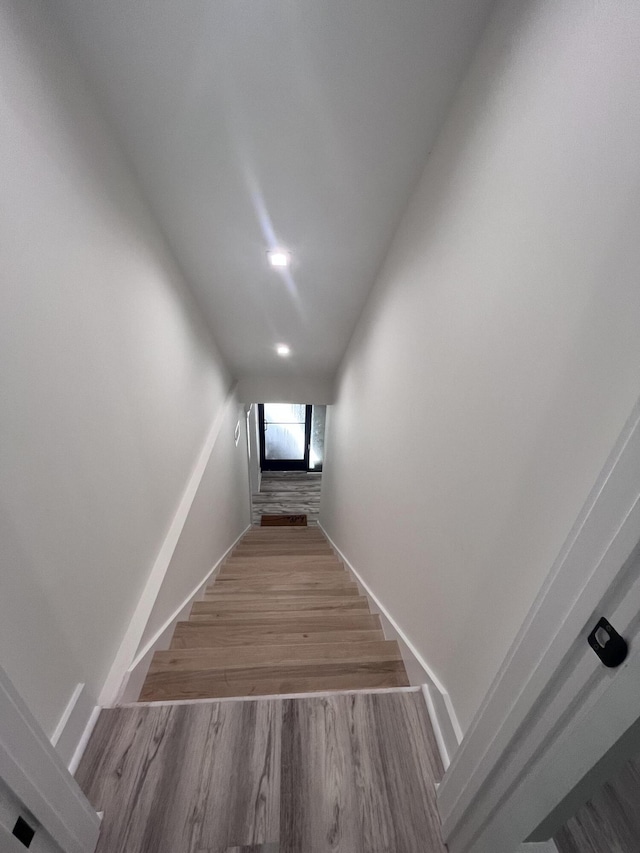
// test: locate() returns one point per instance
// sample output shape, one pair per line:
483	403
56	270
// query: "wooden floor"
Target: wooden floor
333	774
610	821
287	493
283	616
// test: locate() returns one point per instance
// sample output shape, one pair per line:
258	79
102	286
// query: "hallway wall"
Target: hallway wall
220	511
293	388
498	356
253	448
110	382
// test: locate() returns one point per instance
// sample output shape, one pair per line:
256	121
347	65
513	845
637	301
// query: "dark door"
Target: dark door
285	436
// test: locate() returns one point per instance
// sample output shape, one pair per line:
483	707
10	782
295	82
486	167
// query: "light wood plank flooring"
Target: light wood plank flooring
287	493
333	774
283	616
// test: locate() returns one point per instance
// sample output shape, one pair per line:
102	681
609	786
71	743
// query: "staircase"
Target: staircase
283	616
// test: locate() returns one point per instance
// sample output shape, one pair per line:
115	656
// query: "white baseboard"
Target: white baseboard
81	714
538	847
135	629
84	739
441	723
137	672
443	718
72	725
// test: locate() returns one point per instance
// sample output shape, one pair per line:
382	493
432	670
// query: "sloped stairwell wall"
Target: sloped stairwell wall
498	356
110	385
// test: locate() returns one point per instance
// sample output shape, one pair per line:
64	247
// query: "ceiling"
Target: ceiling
303	123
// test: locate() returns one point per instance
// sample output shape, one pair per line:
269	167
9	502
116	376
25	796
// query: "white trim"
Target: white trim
443	717
35	775
70	730
135	630
64	719
84	740
533	738
318	694
435	716
538	847
137	672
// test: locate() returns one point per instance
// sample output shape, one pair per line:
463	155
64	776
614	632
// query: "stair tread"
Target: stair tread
273	656
305	619
271	547
320	569
263	548
205	635
273	534
282	680
284	569
289	572
293	554
299	591
282	616
215	593
303	575
266	557
223	584
282	604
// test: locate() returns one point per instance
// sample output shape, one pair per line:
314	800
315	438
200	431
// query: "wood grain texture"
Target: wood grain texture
299	537
306	620
179	778
610	821
247	591
295	540
269	585
338	774
280	603
198	635
284	550
288	492
239	657
306	572
353	776
298	544
266	561
258	680
253	632
261	535
257	530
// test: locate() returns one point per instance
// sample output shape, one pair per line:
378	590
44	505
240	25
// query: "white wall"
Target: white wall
293	388
109	381
253	449
219	513
499	354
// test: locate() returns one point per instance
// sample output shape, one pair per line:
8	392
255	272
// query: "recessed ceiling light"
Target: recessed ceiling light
278	257
283	350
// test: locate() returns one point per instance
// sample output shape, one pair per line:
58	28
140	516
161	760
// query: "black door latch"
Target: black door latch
605	641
